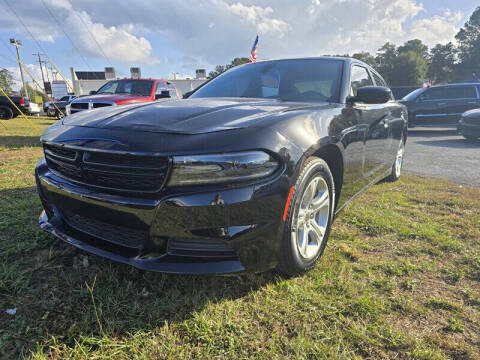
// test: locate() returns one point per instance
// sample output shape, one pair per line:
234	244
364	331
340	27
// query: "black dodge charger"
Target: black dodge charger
246	174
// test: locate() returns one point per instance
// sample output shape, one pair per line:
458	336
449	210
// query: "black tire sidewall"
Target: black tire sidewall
294	263
7	111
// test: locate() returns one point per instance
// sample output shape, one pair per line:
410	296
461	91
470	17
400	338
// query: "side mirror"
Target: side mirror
372	95
93	92
163	95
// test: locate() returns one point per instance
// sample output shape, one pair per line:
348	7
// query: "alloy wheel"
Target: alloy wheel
311	218
399	159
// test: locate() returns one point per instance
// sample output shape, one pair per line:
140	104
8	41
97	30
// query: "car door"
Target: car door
431	107
460	98
374	121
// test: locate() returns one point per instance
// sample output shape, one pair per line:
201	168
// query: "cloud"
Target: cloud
438	28
17	79
115	42
203	34
48	23
260	18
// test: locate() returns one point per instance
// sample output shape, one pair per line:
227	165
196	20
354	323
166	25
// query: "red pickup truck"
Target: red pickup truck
123	92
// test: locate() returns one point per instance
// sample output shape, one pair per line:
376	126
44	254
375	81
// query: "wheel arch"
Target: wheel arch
334	158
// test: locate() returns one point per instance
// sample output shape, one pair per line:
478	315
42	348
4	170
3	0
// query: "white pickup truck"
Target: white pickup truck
33	109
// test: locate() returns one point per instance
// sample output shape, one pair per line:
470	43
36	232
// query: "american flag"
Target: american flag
253	53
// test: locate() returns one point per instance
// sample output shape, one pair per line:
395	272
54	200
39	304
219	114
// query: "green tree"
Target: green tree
218	70
222	68
442	63
469	48
409	69
416	46
33	93
366	57
6	80
385	59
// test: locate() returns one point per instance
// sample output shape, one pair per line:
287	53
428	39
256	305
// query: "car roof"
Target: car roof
141	79
472	83
338	58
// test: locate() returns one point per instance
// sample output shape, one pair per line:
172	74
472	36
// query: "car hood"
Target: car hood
113	97
188	116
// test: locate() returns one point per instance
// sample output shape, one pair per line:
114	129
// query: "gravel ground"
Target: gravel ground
437	152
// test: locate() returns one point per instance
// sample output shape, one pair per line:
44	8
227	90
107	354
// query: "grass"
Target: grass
400	278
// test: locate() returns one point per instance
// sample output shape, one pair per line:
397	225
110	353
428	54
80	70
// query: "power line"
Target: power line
91	35
8	47
26	28
68	37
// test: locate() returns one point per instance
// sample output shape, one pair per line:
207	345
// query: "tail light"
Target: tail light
22	101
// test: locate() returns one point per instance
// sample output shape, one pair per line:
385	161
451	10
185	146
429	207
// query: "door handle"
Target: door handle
471	102
442	104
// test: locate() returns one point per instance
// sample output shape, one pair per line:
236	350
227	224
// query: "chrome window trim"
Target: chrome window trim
433	115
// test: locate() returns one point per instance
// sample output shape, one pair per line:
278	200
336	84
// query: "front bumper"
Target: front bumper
468	130
243	226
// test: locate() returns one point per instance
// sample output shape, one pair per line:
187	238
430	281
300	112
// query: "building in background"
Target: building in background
86	81
185	83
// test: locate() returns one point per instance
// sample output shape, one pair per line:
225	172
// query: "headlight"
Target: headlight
221	168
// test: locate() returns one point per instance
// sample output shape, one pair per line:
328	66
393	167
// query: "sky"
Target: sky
162	37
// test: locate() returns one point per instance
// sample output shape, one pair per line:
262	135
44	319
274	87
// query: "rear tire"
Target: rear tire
5	113
309	218
398	163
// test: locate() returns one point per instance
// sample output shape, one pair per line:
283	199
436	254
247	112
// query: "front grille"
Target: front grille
60	152
120	235
99	105
120	172
79	105
200	248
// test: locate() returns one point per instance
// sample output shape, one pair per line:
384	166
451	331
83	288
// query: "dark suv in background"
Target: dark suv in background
441	105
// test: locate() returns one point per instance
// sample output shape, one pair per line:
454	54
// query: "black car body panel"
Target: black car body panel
21	104
441	105
217	228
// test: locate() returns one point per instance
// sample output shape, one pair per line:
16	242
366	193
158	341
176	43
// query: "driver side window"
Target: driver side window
160	87
359	77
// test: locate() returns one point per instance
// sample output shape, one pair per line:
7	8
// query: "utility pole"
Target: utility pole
46	70
41	70
54	73
17	43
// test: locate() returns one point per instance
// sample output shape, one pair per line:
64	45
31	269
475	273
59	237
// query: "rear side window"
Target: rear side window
460	92
433	94
378	80
359	78
171	90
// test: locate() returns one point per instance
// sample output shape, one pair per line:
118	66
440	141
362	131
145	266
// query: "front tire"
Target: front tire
309	218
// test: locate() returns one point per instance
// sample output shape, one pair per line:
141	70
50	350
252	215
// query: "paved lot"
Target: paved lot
442	153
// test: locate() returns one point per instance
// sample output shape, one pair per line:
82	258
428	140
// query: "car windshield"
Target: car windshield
65	98
288	80
413	95
134	87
